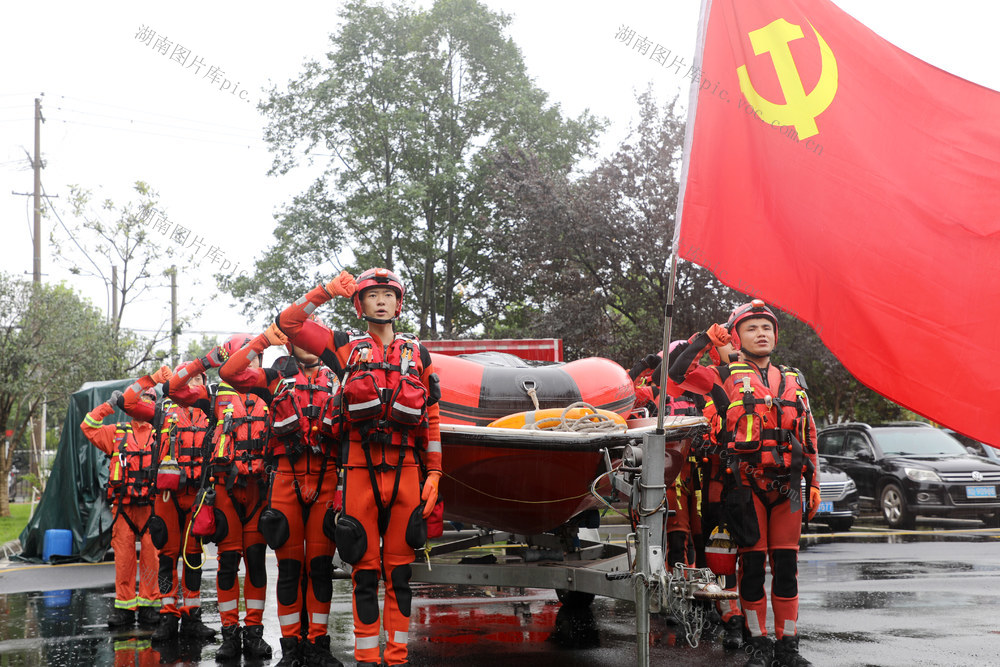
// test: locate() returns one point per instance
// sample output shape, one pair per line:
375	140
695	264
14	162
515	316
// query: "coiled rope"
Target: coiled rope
595	422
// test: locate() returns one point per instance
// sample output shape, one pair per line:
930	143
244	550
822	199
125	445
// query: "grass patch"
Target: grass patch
12	526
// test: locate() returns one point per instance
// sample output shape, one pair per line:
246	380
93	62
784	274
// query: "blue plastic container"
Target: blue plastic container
57	542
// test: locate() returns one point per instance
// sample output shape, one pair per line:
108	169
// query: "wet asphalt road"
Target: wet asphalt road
870	598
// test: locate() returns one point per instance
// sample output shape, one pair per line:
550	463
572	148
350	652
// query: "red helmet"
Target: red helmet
379	278
236	342
756	308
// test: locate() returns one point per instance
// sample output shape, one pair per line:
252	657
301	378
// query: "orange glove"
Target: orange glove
814	500
162	375
275	336
430	493
342	285
718	335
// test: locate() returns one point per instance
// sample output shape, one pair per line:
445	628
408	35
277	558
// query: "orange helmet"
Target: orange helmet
379	278
756	308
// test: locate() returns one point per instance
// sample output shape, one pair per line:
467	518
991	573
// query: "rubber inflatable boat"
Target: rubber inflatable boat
533	480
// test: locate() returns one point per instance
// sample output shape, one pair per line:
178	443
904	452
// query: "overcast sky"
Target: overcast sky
118	111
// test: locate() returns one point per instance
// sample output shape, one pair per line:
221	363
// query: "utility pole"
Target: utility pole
38	436
114	298
173	316
36	269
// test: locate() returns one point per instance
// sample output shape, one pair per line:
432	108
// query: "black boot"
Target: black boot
290	652
231	644
760	650
149	617
732	640
192	626
786	653
254	646
166	628
317	654
119	618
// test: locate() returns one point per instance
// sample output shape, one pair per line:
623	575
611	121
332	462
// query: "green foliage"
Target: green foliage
51	342
105	235
587	259
405	109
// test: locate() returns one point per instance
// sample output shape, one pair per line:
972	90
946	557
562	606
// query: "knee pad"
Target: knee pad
784	573
157	528
321	576
289	573
221	526
416	528
165	577
676	547
256	566
273	524
192	571
752	575
352	542
400	577
366	595
229	565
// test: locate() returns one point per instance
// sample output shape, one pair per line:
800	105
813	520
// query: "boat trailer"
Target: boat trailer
578	568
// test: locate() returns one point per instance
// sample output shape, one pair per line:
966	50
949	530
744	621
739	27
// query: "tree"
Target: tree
50	343
108	235
587	259
405	108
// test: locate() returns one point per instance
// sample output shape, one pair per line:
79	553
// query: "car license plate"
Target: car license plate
825	506
980	492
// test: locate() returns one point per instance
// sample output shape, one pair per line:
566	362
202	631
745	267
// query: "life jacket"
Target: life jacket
130	475
240	432
183	438
684	405
384	399
760	420
296	414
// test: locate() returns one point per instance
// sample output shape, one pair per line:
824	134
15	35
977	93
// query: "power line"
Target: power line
148	113
148	122
159	134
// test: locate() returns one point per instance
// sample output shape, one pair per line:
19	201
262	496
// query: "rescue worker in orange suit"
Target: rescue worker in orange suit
130	491
683	521
712	474
237	477
303	484
182	431
770	436
390	414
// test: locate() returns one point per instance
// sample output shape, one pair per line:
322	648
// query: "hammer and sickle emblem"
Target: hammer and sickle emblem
800	108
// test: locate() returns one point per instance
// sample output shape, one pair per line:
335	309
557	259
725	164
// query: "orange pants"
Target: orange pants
242	541
130	520
303	493
387	556
170	523
780	530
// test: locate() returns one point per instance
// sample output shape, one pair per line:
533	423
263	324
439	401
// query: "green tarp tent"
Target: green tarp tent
74	497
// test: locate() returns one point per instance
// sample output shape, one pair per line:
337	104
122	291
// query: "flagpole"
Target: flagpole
668	310
650	547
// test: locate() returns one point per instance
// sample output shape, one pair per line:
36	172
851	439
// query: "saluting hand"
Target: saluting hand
343	285
275	336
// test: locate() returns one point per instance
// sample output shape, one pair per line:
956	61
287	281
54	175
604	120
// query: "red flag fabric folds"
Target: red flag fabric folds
857	187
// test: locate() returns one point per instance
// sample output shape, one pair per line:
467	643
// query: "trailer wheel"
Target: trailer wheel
574	598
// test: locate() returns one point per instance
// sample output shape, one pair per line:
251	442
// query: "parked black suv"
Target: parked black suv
912	469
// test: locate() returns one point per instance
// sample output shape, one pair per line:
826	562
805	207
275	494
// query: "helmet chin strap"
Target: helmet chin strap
376	320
